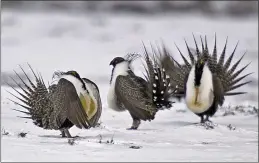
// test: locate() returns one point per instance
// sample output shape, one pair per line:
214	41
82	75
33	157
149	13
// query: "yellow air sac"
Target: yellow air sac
89	105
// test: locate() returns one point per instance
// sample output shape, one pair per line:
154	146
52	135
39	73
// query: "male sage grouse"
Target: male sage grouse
205	80
70	100
142	98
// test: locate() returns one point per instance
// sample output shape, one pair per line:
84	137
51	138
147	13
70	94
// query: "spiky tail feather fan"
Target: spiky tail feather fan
33	96
228	76
157	79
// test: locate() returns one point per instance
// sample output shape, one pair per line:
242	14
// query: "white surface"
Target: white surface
170	137
87	44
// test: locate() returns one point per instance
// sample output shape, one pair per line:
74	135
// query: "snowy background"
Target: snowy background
86	36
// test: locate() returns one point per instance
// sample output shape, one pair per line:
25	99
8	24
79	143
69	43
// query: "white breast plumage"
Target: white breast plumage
119	69
205	95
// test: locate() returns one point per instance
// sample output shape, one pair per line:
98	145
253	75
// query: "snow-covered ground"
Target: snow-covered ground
87	43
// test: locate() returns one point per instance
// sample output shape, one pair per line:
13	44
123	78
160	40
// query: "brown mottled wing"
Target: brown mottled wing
131	91
218	90
67	105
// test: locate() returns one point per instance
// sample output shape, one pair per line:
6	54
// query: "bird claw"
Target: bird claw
208	125
132	128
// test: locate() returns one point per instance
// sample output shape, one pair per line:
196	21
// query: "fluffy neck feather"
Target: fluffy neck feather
120	69
205	91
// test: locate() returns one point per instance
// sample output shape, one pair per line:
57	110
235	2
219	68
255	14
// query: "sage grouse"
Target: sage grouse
205	80
70	100
142	98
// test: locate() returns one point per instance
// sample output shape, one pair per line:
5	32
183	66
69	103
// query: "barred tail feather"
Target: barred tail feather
33	86
189	52
239	71
233	68
237	86
214	53
158	80
184	59
197	49
240	78
31	96
28	113
228	62
234	93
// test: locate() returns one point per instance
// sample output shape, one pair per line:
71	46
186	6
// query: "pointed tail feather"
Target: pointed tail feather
240	78
197	49
233	68
33	86
158	81
26	107
184	59
206	46
214	53
24	117
222	56
33	97
232	77
213	58
228	62
237	86
28	113
26	92
234	93
25	101
190	53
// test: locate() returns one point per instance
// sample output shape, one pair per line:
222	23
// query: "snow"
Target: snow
87	44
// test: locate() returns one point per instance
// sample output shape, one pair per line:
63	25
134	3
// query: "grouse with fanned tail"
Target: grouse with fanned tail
70	100
142	98
204	81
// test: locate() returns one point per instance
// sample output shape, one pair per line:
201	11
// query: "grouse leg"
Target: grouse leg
67	133
207	119
63	133
202	119
135	124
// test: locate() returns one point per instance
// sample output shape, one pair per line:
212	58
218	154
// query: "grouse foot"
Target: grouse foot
208	125
132	128
135	124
